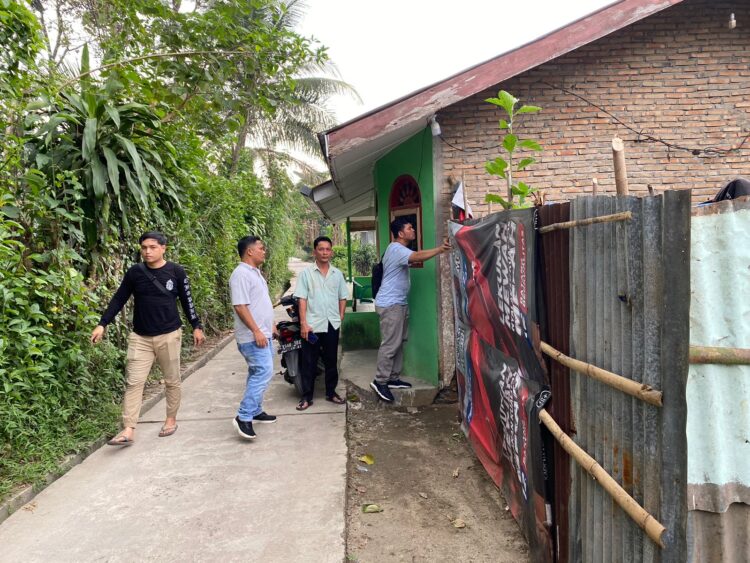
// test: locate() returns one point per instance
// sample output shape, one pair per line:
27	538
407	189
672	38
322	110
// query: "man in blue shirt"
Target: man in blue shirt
392	306
322	294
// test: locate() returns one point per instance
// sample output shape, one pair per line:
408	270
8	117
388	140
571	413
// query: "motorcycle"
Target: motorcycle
290	343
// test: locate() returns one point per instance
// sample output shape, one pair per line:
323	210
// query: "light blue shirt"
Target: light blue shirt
394	290
323	294
248	287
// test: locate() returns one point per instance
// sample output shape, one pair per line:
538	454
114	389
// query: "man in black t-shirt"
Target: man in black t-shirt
156	284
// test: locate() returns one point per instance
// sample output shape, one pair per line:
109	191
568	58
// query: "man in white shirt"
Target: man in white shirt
253	330
391	304
322	294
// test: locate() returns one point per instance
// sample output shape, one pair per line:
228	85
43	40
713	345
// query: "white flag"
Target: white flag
458	201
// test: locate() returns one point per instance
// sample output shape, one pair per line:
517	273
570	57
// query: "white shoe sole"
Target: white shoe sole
240	432
375	388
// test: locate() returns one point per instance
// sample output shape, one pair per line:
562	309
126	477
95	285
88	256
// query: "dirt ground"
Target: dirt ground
428	483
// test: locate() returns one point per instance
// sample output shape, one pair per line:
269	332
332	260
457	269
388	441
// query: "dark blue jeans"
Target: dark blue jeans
327	347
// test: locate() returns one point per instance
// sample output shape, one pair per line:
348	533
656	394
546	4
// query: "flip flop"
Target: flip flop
164	432
303	405
335	399
121	441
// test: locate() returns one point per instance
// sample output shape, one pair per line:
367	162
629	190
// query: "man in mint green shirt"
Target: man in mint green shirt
322	294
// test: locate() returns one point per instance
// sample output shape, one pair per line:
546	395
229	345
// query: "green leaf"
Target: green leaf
525	162
113	114
92	104
51	125
528	109
37	104
89	138
522	190
154	173
503	124
42	160
494	198
531	145
10	211
505	101
135	189
99	177
509	142
135	158
85	64
85	68
112	171
496	167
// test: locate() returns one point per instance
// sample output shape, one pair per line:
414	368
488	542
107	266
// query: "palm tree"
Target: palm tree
292	128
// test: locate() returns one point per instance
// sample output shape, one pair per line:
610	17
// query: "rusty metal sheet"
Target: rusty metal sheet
629	310
554	274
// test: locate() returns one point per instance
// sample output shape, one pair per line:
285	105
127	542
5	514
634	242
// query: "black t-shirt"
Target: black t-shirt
155	312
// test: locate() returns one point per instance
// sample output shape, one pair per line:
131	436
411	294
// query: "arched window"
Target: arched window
406	201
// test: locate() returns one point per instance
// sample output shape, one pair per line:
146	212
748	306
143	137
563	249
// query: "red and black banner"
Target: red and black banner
499	374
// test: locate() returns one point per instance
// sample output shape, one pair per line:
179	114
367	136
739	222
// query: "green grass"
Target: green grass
47	454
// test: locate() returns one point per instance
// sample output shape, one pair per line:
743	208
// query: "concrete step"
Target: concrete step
358	368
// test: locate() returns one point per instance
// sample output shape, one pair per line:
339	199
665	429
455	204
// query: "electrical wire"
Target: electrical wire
641	136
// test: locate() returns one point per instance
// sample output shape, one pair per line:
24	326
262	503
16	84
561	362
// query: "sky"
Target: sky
389	48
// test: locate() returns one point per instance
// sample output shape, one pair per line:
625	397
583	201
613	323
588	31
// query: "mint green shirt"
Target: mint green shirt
323	294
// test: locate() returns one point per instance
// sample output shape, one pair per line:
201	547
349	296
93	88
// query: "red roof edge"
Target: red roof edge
466	83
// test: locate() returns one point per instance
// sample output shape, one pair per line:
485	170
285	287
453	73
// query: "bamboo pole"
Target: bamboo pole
638	390
715	355
653	528
623	216
621	173
594	186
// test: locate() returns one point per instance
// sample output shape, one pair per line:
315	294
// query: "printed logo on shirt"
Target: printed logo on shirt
170	285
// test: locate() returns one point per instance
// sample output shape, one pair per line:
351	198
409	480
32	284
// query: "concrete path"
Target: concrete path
203	494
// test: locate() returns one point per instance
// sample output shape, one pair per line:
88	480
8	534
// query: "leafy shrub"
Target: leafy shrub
364	257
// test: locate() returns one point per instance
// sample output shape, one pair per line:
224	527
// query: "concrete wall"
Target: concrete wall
414	157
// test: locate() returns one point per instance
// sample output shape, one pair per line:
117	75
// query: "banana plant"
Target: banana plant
505	167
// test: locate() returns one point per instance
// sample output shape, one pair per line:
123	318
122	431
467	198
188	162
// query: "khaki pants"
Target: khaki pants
142	350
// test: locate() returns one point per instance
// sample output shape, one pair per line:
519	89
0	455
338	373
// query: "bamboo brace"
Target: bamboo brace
715	355
639	390
623	216
653	528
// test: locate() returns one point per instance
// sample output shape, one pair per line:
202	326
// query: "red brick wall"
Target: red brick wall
680	75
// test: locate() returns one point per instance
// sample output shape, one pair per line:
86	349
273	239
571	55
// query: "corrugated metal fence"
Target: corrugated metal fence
718	395
629	310
614	331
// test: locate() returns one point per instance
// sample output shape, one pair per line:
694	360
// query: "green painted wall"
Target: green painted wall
414	157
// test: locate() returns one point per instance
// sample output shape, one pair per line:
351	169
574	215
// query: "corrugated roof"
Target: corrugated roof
352	148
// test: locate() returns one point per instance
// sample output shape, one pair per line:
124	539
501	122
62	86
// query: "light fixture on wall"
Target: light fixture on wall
732	22
435	127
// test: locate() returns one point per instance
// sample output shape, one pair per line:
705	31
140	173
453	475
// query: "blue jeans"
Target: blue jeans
259	373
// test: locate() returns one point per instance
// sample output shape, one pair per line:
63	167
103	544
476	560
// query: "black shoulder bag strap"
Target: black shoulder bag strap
156	282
